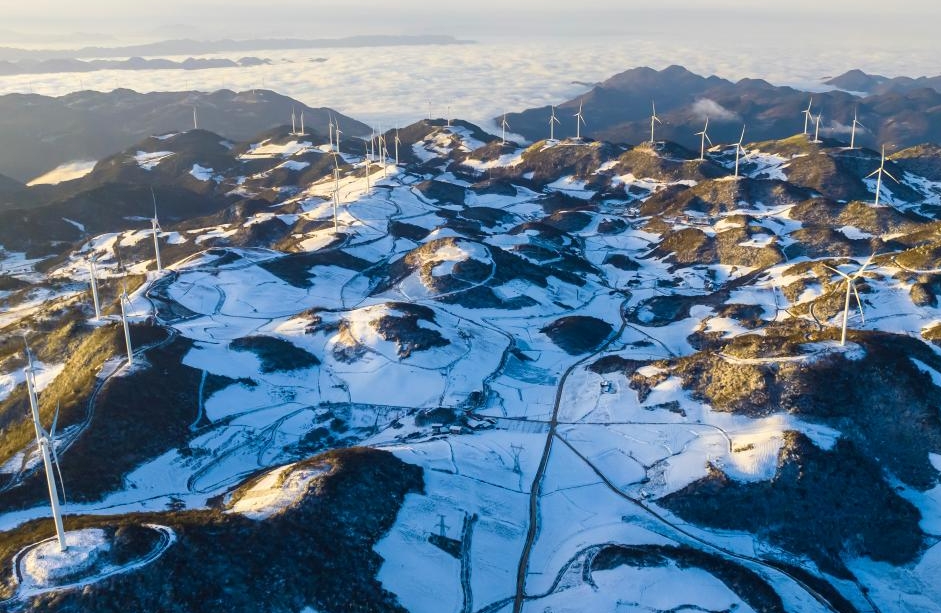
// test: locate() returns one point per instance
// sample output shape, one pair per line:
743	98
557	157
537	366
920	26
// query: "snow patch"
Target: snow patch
277	491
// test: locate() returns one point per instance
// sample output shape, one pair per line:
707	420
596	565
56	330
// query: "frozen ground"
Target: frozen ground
566	461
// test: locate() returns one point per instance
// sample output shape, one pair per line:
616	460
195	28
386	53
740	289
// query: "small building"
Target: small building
607	387
456	430
437	428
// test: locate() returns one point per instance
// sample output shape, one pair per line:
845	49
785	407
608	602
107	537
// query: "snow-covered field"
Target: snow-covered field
378	350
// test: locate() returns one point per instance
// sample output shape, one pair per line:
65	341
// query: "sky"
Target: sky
117	21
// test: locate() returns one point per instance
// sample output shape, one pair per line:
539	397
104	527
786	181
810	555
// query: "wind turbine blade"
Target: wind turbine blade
889	174
873	173
839	272
657	119
55	420
708	139
859	302
865	265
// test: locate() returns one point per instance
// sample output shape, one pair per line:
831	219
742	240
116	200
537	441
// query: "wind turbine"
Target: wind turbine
195	122
579	120
705	137
653	120
817	128
337	132
553	120
881	171
851	287
336	194
124	300
46	442
855	125
156	226
739	149
330	127
302	123
383	156
397	142
504	125
366	164
93	282
807	114
293	119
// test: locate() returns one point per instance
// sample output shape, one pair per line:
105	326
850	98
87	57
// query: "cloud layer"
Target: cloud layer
391	86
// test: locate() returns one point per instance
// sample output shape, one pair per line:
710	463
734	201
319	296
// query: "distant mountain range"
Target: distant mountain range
198	47
859	82
39	133
134	63
898	113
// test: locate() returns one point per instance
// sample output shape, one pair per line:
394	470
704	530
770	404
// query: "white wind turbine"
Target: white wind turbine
807	115
397	143
337	132
46	442
579	121
881	171
330	128
195	121
302	123
553	120
366	164
705	137
336	194
383	155
125	301
93	282
155	225
817	128
739	149
851	288
856	124
653	120
293	120
503	126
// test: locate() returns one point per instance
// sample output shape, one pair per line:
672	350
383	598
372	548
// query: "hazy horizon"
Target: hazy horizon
113	22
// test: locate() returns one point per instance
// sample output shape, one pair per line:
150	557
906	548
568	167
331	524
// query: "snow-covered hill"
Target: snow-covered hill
586	377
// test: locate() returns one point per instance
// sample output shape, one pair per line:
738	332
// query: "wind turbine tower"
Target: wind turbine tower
653	120
293	120
397	142
705	137
302	123
195	119
504	125
851	287
156	226
336	194
856	124
879	172
366	164
124	300
579	121
337	132
553	120
45	440
739	149
807	115
93	282
817	128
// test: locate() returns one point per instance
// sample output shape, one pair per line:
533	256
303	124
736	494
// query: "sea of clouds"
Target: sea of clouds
387	86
